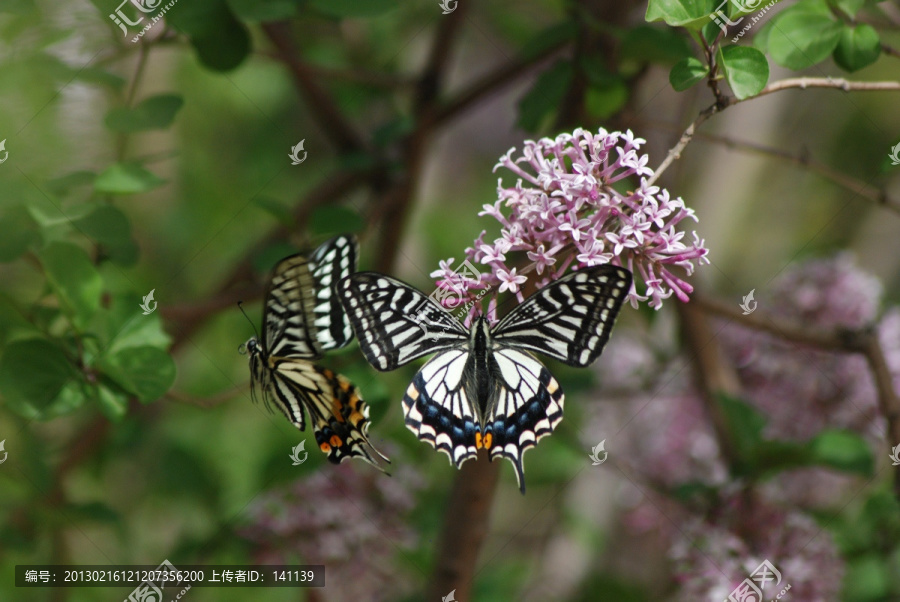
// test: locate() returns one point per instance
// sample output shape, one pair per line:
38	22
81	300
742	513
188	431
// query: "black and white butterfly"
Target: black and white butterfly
484	388
302	319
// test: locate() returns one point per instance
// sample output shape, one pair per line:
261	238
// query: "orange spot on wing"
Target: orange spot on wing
478	440
336	441
325	447
488	440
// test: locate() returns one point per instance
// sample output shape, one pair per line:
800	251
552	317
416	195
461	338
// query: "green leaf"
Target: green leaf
258	11
111	400
110	228
74	279
146	372
154	113
858	47
746	424
353	8
545	96
866	579
334	219
746	70
692	14
842	450
18	233
848	7
126	178
221	41
275	208
93	75
686	73
645	44
803	36
123	325
33	373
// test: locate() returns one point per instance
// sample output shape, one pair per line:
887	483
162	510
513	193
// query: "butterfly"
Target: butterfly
302	319
484	389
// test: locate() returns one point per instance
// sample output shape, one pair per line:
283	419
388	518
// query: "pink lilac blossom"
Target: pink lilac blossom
716	553
350	522
803	390
567	208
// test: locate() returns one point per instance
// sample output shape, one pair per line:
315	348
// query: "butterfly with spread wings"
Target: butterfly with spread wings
302	319
484	389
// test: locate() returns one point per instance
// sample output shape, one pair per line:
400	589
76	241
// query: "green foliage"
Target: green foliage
687	72
746	70
692	14
154	113
126	178
546	94
858	47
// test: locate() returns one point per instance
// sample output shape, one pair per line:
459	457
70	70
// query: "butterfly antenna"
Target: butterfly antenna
241	307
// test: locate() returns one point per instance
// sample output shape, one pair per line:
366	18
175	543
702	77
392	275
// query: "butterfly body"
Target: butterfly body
301	320
483	389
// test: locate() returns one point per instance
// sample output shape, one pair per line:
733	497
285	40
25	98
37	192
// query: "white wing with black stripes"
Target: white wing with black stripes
333	261
571	319
289	310
394	322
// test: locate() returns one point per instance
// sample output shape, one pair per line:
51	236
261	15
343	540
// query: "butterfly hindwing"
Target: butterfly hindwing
529	405
281	366
331	262
571	319
394	322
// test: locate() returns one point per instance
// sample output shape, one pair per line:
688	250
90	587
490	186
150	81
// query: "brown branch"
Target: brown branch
321	104
712	375
864	342
785	84
879	196
466	522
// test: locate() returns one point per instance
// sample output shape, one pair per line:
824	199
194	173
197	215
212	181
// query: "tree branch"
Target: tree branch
321	104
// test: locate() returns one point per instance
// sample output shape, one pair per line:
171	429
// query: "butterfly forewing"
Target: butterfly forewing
331	262
571	319
394	322
289	311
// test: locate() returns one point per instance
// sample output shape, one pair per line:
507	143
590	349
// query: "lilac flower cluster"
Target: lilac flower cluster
571	206
349	522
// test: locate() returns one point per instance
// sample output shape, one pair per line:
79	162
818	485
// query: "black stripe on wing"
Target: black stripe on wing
331	262
289	309
394	322
570	319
